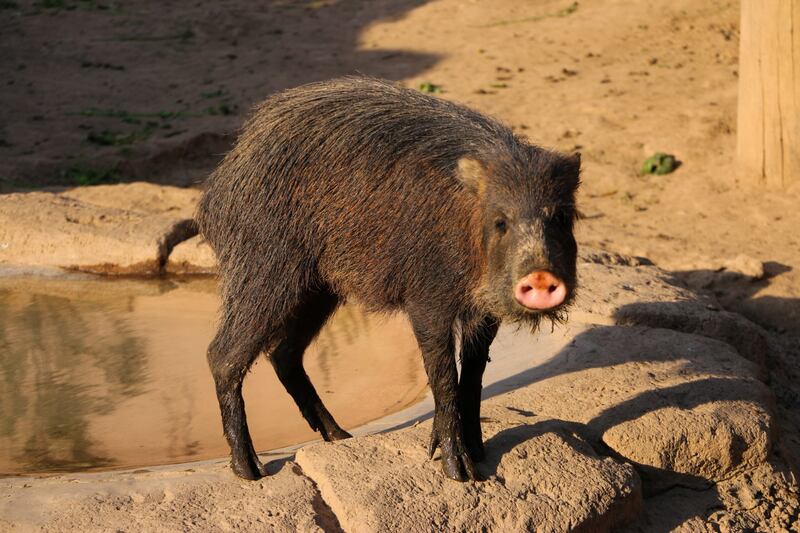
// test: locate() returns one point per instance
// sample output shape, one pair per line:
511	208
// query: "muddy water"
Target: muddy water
112	374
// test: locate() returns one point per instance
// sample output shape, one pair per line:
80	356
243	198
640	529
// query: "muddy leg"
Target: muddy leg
229	362
435	338
287	359
474	356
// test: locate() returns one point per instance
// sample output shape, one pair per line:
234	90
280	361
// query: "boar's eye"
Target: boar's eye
501	225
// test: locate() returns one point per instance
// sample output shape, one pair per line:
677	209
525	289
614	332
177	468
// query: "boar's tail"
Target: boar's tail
181	231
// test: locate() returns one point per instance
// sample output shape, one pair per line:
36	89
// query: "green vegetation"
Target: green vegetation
149	123
659	164
110	138
213	94
428	87
221	109
128	116
83	175
131	117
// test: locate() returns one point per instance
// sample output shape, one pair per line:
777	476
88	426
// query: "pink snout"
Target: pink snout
540	290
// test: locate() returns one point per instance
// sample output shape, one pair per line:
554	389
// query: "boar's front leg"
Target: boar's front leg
435	338
474	356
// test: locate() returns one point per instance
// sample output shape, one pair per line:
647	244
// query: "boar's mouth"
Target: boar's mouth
556	315
508	309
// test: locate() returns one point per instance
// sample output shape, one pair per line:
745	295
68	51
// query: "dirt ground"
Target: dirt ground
96	92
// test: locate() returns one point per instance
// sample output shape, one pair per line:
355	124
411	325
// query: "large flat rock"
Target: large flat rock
201	498
45	229
616	289
539	476
141	197
682	407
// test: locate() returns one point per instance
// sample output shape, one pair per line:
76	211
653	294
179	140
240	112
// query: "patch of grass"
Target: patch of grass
499	86
431	88
111	138
151	119
130	117
221	109
7	4
213	94
567	11
84	175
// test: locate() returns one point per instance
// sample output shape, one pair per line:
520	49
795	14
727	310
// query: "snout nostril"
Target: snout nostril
541	290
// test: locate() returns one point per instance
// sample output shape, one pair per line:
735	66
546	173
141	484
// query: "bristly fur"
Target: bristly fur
350	184
359	189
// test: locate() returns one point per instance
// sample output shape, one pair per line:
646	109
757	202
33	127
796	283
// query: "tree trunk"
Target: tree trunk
768	137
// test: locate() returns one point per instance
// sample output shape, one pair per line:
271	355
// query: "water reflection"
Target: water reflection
81	360
104	373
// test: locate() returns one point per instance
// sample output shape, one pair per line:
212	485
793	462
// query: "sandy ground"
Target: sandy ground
101	92
97	92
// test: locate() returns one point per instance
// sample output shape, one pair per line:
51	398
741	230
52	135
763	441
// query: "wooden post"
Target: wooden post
768	136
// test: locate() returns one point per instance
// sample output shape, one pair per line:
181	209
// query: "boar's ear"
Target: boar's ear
472	175
568	172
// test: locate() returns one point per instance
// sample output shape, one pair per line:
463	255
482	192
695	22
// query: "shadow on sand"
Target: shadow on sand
234	54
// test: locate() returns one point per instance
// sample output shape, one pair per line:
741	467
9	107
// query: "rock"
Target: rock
603	257
749	339
611	292
607	283
539	477
194	256
46	229
204	498
763	499
141	197
601	411
672	403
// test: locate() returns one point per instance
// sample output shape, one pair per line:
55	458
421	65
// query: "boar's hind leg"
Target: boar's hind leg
287	359
435	338
229	357
474	356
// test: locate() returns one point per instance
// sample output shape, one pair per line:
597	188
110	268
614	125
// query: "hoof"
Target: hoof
249	469
456	463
